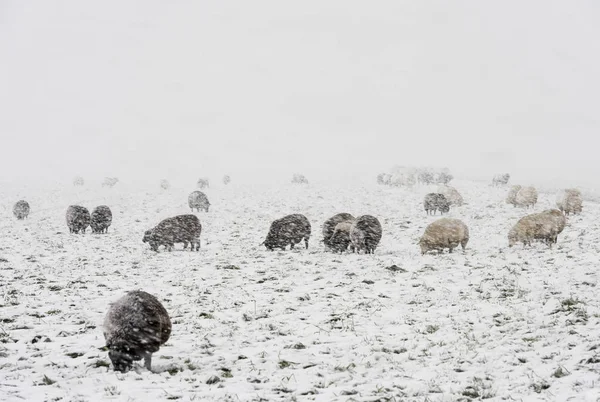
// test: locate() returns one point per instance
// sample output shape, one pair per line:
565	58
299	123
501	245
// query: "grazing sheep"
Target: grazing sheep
452	195
198	200
179	229
101	219
21	209
340	239
110	181
78	181
570	201
298	178
526	197
135	326
544	226
501	179
436	202
512	194
331	223
444	233
164	184
203	182
226	179
78	218
290	229
365	234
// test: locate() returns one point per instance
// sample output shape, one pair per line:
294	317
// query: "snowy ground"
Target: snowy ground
493	322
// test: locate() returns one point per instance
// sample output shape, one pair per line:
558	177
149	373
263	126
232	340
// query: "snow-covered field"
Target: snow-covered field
253	325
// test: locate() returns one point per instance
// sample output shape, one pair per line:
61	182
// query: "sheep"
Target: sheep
198	200
101	219
434	202
203	182
298	178
512	194
452	195
444	233
501	179
544	226
135	326
110	181
569	201
331	223
226	179
290	229
21	209
340	239
78	218
178	229
526	197
164	184
365	234
78	181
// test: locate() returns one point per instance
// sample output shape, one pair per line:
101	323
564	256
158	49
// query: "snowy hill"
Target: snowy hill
518	323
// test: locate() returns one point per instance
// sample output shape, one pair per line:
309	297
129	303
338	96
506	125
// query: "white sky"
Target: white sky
152	89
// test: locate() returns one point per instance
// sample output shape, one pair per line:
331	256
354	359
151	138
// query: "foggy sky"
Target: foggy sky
182	89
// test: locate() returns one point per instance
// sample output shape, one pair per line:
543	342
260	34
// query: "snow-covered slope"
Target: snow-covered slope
304	324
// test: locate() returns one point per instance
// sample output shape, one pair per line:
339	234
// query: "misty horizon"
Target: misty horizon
329	89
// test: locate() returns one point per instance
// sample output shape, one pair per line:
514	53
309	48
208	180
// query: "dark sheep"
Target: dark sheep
365	234
434	202
198	200
101	219
78	218
135	326
179	229
290	229
21	209
340	240
331	223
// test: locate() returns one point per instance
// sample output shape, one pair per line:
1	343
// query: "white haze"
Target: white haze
145	90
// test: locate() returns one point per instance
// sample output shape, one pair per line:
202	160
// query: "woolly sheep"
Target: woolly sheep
101	219
501	179
298	178
544	226
289	230
526	197
365	234
198	200
451	194
331	223
178	229
78	218
135	326
110	181
340	239
569	201
203	182
512	194
21	209
444	233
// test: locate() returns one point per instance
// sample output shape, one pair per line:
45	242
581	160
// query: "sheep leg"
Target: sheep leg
306	241
148	361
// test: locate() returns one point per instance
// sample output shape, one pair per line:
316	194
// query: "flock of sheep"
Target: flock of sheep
137	324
